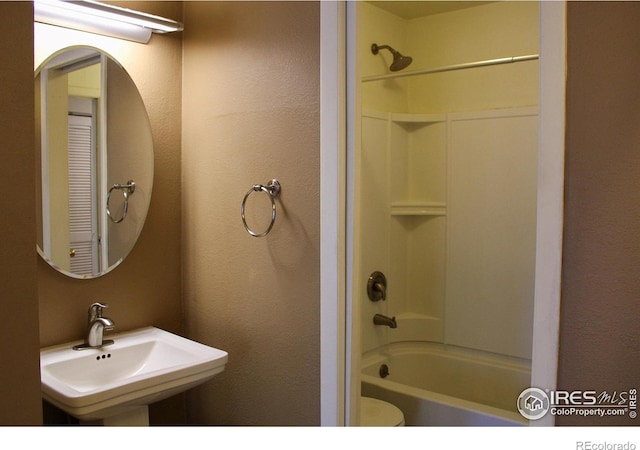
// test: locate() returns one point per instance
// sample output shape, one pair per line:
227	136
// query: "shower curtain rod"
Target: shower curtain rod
488	62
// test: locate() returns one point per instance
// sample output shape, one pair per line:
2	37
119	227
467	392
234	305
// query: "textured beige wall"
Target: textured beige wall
19	365
146	288
251	113
599	340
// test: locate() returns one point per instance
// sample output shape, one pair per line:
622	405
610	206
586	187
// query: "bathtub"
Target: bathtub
437	385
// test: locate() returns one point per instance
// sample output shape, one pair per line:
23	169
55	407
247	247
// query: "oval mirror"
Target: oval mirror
94	151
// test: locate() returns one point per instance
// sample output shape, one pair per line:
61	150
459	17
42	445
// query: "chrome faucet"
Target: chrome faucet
97	326
390	322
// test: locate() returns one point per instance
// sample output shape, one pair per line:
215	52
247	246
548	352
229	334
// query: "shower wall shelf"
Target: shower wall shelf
417	164
398	117
406	157
417	118
418	209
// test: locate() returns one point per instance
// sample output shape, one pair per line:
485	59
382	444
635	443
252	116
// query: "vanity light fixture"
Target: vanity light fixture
101	18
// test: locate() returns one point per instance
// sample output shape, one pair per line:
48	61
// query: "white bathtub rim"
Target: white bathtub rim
382	353
447	400
374	358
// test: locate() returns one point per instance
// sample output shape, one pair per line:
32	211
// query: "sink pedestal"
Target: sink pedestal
138	416
134	417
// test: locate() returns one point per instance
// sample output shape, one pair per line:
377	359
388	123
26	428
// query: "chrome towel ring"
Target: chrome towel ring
126	189
273	190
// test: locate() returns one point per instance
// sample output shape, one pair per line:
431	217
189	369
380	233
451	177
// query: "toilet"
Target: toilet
377	413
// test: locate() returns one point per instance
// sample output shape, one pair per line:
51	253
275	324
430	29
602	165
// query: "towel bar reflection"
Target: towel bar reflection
273	190
126	189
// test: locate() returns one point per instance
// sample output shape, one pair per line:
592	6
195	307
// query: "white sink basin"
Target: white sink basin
140	368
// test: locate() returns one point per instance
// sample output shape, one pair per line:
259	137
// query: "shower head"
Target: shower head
399	61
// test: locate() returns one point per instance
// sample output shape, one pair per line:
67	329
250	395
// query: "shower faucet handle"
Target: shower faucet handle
377	287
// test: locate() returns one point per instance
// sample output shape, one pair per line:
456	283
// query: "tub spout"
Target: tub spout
390	322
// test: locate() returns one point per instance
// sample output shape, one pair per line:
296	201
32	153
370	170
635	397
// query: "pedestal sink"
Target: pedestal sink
115	384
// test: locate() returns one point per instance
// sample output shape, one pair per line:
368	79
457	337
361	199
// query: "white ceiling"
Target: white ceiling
413	9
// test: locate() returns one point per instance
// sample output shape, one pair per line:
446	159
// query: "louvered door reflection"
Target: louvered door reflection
82	206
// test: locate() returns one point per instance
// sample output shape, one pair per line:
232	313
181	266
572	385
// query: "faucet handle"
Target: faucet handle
377	287
95	311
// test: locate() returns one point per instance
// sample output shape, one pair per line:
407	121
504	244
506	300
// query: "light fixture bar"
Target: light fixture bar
101	18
